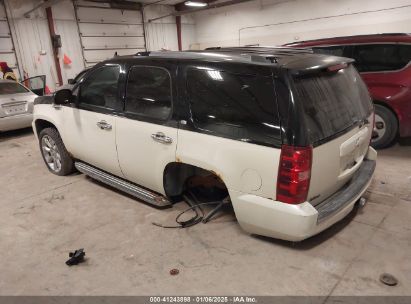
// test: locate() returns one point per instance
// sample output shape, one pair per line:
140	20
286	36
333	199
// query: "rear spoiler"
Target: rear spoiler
318	64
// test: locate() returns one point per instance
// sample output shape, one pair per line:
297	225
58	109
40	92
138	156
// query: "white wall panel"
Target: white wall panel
113	29
273	22
162	33
66	26
104	31
188	36
105	15
6	44
113	42
97	56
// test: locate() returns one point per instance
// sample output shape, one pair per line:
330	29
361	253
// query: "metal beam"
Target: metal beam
112	23
137	8
55	50
179	40
154	2
210	6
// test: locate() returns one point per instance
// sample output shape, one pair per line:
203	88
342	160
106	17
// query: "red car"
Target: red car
384	63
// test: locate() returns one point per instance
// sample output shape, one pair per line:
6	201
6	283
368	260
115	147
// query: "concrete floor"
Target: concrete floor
43	217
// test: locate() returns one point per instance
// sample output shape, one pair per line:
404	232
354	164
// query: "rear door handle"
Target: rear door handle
103	125
161	138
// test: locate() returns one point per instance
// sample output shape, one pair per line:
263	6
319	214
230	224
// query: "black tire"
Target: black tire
66	162
389	123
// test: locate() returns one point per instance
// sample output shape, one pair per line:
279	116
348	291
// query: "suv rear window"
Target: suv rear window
332	102
235	106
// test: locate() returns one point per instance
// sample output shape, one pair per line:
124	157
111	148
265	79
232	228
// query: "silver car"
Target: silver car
16	105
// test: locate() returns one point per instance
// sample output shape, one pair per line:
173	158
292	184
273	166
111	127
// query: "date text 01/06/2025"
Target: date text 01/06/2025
203	299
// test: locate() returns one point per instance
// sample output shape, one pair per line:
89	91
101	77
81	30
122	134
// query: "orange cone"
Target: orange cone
66	60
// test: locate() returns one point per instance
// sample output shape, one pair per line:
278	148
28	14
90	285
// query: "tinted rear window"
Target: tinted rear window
240	107
11	88
332	102
381	57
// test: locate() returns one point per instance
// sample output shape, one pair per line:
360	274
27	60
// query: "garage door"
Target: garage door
7	52
105	30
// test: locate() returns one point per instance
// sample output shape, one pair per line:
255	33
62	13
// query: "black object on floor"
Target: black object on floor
388	279
76	257
191	199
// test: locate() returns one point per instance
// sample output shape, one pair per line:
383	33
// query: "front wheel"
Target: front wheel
385	127
54	152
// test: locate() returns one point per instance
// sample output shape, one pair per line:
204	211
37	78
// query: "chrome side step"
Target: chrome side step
152	198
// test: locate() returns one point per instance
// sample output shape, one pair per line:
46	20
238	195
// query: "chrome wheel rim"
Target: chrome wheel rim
51	153
380	127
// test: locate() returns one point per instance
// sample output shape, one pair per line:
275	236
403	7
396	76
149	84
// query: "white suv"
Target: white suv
284	133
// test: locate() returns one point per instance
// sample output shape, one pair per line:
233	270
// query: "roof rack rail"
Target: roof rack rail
261	49
146	53
213	48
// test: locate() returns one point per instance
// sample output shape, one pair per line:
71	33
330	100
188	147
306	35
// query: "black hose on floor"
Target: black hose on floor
195	205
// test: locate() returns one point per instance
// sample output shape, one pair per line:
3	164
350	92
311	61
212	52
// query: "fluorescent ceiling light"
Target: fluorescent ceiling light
195	3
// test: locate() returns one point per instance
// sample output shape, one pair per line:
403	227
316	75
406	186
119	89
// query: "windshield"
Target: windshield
11	88
332	102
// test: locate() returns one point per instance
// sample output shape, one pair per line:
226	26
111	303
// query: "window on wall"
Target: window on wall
100	88
240	107
148	93
381	57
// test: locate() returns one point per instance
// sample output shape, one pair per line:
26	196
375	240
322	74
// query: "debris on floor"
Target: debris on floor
388	279
76	257
174	271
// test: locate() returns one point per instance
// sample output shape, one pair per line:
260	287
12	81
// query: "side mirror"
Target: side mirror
64	96
71	81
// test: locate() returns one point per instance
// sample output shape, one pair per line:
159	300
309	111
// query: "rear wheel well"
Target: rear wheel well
179	177
41	124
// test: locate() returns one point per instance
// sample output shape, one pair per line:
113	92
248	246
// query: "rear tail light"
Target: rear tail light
337	67
294	174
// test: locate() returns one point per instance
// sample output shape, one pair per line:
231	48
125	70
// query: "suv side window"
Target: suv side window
99	91
381	57
148	93
240	107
